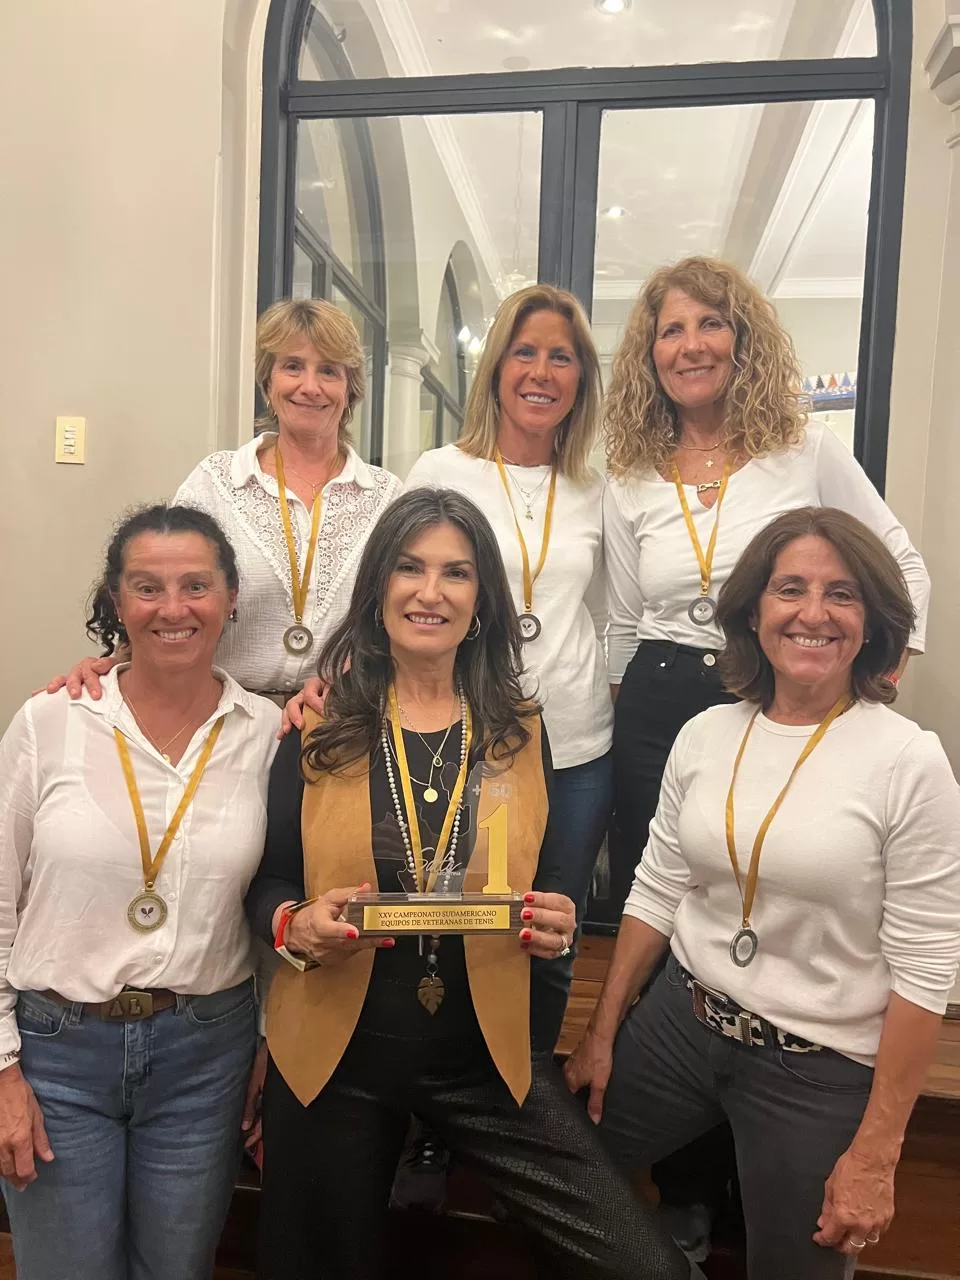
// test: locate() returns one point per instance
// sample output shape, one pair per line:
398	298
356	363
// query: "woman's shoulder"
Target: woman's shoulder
449	459
907	743
223	470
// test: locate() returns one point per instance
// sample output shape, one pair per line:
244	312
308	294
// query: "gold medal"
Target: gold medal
703	610
298	639
745	943
530	626
148	911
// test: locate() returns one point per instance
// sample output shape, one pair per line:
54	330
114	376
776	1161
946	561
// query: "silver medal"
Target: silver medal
702	611
743	947
298	639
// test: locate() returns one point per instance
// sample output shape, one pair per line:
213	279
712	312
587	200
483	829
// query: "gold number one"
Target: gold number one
496	829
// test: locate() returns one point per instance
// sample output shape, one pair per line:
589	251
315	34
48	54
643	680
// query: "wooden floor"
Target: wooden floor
923	1243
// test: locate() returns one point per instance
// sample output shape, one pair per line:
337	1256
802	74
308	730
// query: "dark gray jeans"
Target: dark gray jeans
792	1115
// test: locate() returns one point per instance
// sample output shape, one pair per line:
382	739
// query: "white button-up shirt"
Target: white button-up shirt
244	499
70	858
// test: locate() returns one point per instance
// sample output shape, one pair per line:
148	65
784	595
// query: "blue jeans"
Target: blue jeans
144	1121
581	802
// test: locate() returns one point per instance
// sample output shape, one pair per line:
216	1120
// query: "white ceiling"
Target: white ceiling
781	189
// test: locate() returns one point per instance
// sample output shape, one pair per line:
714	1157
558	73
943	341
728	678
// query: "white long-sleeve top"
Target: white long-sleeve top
652	569
233	488
565	666
858	893
70	858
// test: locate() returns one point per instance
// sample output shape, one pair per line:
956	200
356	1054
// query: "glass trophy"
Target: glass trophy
471	892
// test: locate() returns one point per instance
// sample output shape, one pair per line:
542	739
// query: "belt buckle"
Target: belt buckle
130	1006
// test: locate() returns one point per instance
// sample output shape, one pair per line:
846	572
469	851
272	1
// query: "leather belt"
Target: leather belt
724	1016
126	1006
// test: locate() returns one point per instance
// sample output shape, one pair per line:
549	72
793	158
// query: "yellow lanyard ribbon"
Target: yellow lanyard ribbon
428	882
298	586
746	898
705	561
151	866
530	578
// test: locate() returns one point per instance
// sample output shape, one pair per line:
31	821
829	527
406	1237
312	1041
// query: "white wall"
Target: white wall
108	256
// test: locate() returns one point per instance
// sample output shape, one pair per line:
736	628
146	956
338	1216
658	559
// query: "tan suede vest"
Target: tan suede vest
312	1016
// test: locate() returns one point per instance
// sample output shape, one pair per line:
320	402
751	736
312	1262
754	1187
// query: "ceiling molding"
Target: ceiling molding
827	287
942	64
413	59
831	128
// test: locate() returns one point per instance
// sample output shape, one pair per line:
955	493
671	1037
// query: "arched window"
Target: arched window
444	391
332	246
774	137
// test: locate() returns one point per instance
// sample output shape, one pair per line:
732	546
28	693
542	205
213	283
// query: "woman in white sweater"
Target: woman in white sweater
528	429
803	867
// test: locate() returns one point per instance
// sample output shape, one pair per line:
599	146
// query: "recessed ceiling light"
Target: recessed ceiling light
615	211
612	6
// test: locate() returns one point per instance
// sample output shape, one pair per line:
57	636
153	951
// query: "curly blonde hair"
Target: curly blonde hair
481	420
326	327
764	409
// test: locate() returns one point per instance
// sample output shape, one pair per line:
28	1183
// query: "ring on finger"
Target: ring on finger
858	1244
874	1239
564	945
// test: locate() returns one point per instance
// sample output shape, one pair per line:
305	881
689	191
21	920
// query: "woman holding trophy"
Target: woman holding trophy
430	772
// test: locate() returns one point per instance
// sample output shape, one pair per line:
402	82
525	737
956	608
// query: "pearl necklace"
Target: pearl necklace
449	854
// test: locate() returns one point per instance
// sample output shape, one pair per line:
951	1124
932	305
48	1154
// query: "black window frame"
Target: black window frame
572	102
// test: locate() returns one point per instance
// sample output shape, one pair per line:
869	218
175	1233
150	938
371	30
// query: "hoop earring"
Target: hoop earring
474	629
378	617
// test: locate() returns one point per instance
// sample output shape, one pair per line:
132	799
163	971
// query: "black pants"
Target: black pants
328	1167
664	686
793	1115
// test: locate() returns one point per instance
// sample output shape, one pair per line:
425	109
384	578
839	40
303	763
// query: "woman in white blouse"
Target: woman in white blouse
707	441
298	544
130	829
803	868
529	425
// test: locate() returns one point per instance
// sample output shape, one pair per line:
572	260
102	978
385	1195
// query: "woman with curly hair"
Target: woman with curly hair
707	442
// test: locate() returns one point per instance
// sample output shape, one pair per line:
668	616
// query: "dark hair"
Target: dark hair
103	624
888	610
356	665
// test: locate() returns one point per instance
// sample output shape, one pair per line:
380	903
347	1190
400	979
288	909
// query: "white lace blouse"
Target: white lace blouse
232	487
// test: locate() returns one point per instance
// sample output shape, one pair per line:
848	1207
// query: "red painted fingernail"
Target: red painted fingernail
528	897
526	935
388	942
352	935
526	915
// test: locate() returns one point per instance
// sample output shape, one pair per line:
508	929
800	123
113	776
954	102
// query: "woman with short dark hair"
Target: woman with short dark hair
803	868
130	828
427	739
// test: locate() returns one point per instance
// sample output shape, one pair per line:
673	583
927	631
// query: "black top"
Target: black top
391	1006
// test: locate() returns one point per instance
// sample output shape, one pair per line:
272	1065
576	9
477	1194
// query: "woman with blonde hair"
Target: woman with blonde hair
707	441
297	501
523	457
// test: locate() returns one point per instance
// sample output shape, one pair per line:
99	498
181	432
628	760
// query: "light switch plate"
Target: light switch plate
71	443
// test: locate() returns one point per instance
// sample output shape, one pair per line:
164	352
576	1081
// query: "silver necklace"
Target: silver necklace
436	761
527	496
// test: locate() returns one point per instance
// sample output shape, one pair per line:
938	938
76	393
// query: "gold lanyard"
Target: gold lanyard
427	884
298	586
530	578
815	739
704	561
151	866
